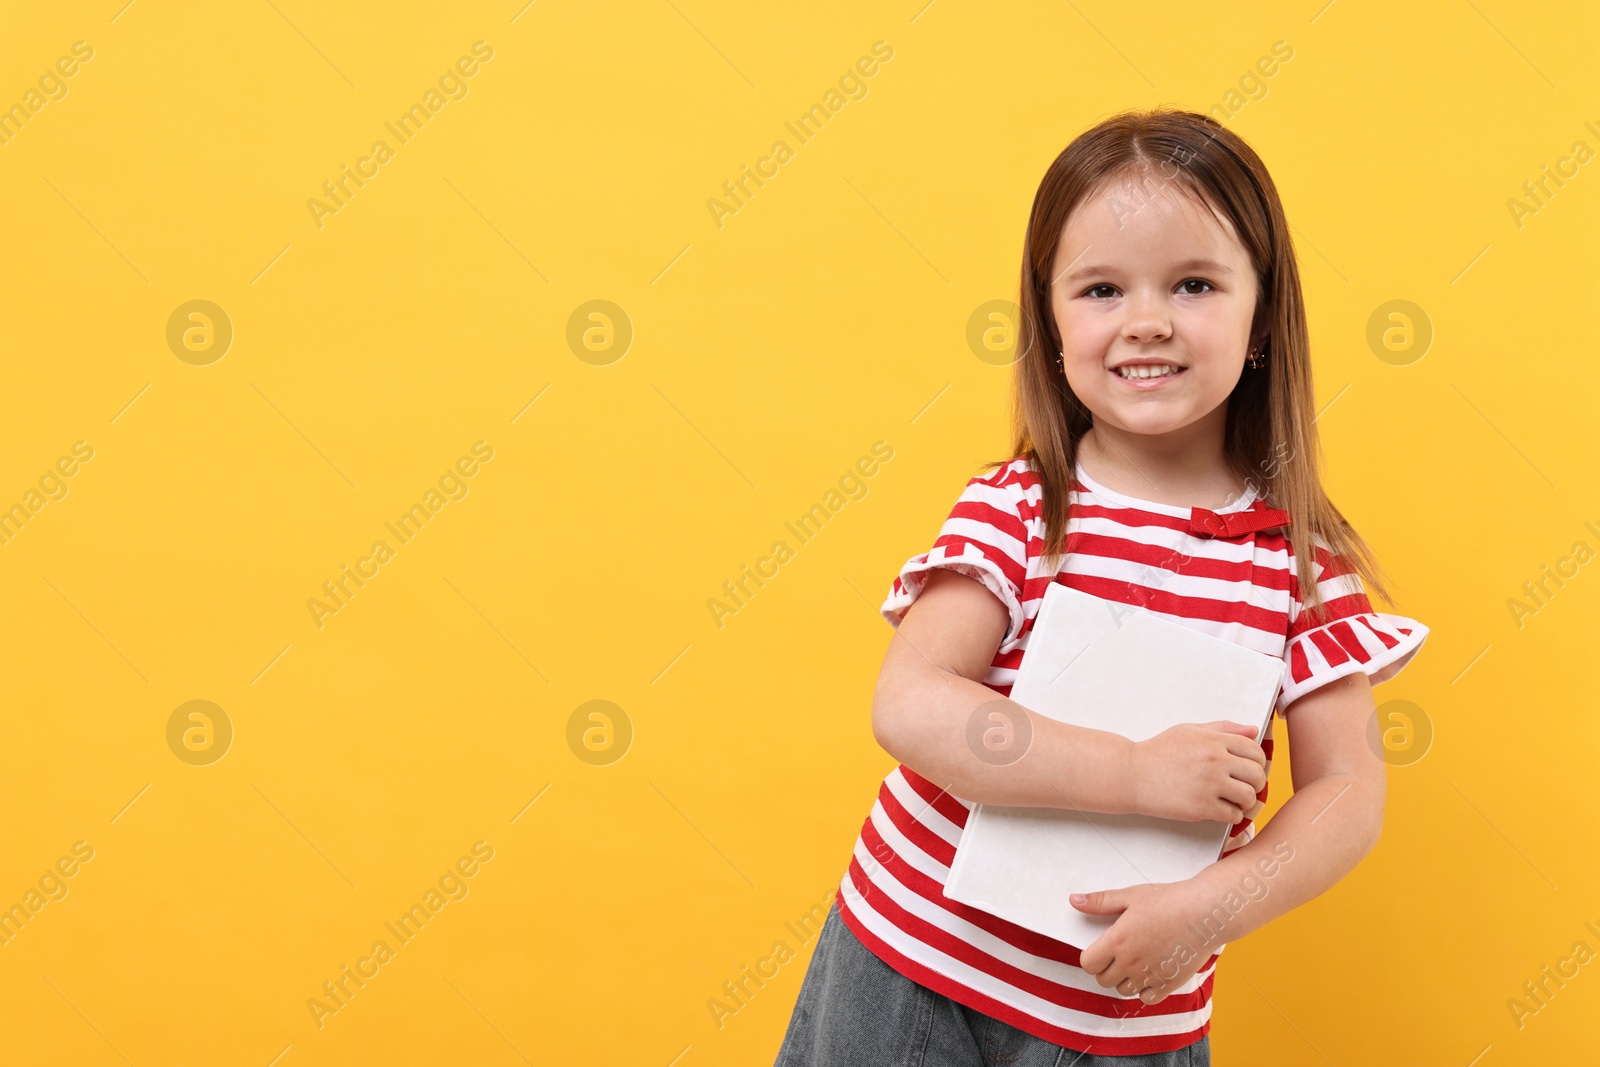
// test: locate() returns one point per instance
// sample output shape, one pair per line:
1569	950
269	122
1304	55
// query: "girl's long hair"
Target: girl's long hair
1271	439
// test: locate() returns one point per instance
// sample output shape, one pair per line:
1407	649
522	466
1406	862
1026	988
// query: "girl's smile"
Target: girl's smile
1147	374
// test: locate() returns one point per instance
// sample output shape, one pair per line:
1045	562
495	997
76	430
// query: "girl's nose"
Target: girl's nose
1147	320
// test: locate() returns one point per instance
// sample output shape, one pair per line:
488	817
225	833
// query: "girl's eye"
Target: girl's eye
1191	281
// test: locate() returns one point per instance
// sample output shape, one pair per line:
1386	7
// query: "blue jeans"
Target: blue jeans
855	1010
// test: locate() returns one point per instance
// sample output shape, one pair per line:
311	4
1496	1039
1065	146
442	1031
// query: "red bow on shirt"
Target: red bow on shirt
1235	523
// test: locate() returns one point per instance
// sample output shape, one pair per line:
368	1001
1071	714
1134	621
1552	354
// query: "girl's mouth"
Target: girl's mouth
1147	376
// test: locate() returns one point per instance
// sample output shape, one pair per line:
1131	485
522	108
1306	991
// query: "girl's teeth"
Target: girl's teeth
1147	371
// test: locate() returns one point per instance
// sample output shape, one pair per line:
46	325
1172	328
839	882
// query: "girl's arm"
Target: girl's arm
929	688
1330	823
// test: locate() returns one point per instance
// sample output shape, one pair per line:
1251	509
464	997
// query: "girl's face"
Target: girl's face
1147	282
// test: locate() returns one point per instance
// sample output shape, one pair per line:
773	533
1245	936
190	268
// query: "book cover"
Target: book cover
1094	663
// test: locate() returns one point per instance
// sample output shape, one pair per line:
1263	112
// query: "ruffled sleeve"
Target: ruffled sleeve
983	538
1348	636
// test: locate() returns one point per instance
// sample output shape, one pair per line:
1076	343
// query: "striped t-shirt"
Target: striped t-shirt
1192	567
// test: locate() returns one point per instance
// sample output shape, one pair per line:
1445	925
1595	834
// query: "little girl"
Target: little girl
1165	458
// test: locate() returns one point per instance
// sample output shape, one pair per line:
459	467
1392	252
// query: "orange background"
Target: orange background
643	458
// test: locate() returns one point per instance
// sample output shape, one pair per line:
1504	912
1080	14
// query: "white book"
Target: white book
1126	670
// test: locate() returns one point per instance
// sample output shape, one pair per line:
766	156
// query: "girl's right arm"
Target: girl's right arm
929	691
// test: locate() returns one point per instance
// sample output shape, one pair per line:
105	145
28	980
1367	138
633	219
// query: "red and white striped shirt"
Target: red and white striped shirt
1172	561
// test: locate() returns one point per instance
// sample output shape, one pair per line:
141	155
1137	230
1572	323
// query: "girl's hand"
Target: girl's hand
1150	951
1196	772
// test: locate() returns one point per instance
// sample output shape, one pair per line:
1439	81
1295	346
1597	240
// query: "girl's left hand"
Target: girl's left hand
1150	950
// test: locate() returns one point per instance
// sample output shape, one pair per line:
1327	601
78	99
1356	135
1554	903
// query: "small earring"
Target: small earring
1256	358
1060	361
